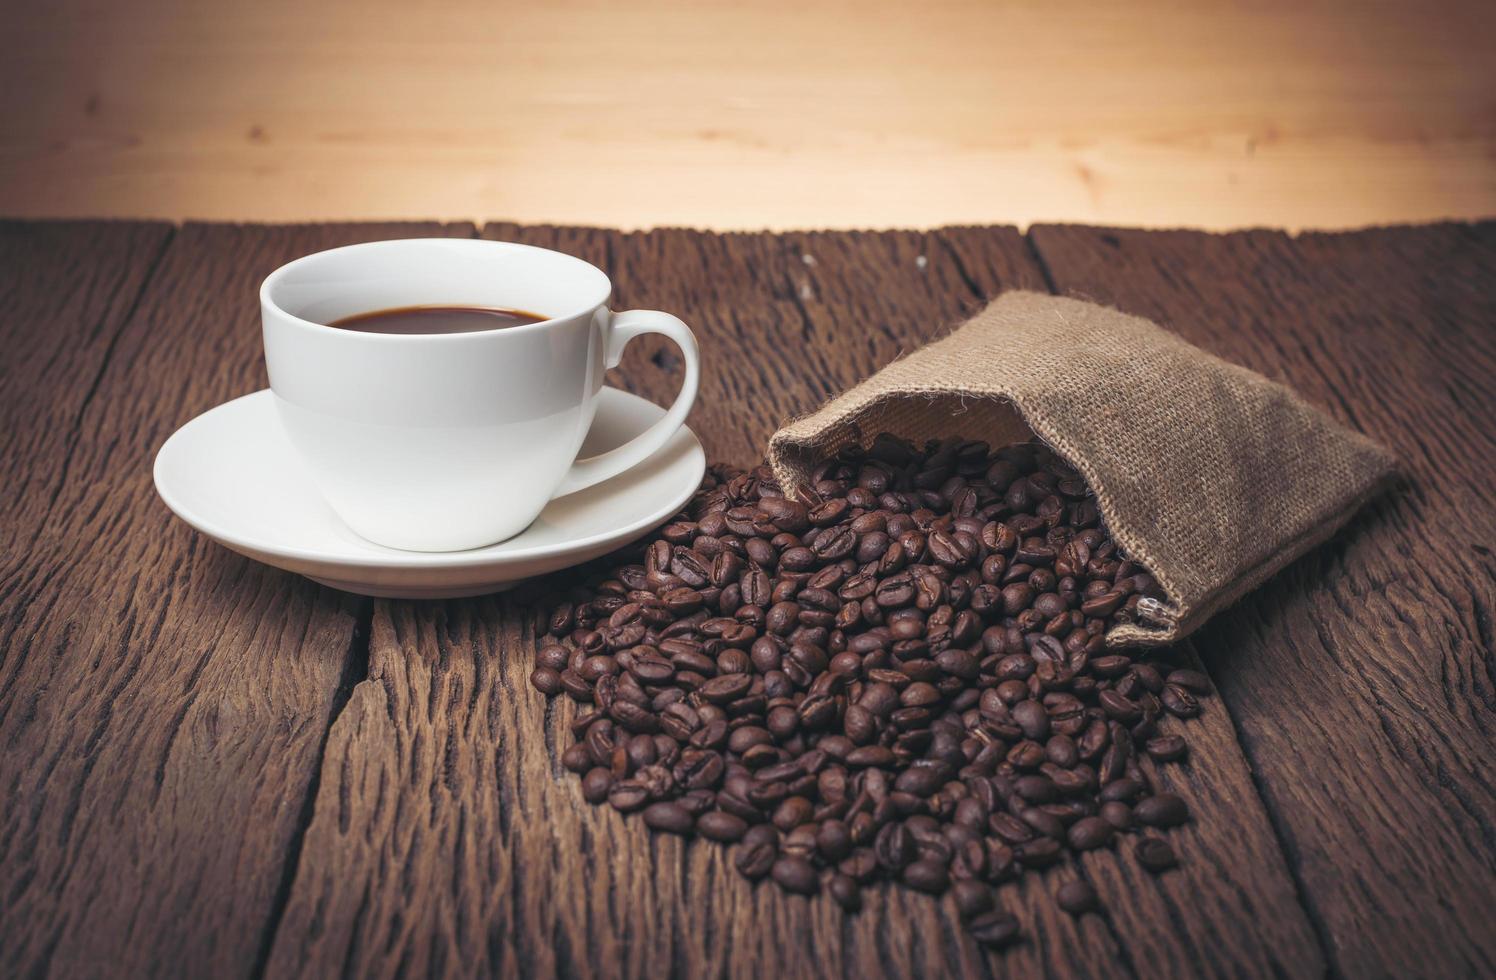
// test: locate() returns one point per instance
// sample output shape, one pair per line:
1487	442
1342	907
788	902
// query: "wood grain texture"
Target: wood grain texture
170	806
775	114
163	702
1362	679
66	291
446	837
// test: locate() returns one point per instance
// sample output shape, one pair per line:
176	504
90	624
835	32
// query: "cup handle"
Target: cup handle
624	328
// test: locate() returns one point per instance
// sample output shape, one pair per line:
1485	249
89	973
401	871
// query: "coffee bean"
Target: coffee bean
995	929
1166	748
1119	815
888	681
1089	833
754	862
553	656
1179	702
1118	707
595	785
720	690
1033	719
1163	810
628	796
1155	855
846	892
927	876
795	874
721	826
546	680
672	818
1076	897
973	898
894	847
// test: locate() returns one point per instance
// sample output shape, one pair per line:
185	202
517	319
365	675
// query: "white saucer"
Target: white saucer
232	474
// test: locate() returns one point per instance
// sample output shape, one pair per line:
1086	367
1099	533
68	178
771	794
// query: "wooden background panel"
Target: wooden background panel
164	702
1360	678
779	113
445	833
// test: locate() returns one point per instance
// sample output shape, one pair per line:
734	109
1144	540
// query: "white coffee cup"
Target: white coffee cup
443	442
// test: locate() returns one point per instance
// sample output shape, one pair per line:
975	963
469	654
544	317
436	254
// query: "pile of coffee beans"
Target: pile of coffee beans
901	677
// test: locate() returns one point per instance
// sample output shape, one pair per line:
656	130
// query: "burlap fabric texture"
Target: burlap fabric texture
1210	475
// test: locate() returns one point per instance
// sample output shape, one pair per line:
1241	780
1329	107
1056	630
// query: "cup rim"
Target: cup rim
286	270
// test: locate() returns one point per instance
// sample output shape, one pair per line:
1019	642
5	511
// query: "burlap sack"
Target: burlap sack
1209	475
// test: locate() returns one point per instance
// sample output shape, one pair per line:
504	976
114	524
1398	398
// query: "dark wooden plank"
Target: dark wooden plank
163	702
66	288
445	835
1361	678
1231	909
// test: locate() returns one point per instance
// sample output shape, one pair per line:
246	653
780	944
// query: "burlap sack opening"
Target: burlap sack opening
1209	475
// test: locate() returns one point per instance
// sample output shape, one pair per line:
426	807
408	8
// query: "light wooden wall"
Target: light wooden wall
785	113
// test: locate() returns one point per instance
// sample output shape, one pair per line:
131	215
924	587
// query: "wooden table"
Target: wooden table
211	767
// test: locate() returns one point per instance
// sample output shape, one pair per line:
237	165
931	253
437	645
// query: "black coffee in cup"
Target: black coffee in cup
435	319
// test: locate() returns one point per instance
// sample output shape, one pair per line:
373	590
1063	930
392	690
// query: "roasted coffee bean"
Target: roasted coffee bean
672	818
1166	748
1033	719
1119	815
905	677
1077	898
1118	707
721	826
973	898
1163	810
595	785
1089	833
553	657
795	874
579	759
1155	855
628	796
1179	702
755	861
927	876
546	680
845	890
894	847
995	929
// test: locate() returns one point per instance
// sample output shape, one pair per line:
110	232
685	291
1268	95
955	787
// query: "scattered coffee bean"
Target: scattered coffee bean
1155	855
972	898
1076	897
627	797
1163	810
546	680
1089	833
720	825
672	818
755	861
795	874
595	785
1166	748
927	875
905	677
846	892
995	929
